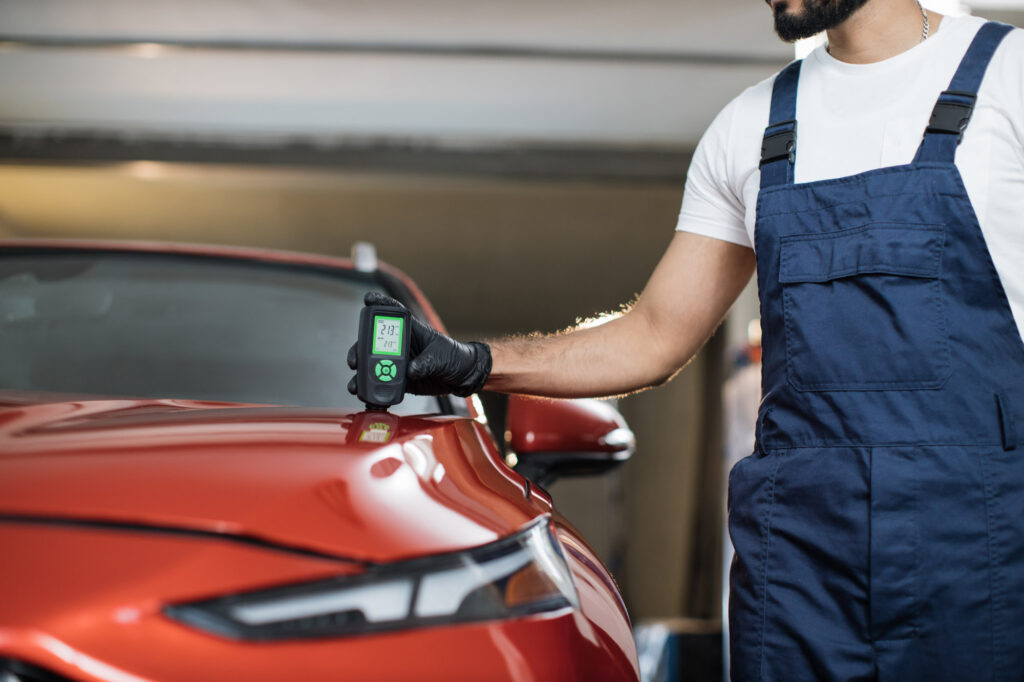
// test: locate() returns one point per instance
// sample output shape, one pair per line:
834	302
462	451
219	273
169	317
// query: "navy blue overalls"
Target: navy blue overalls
879	526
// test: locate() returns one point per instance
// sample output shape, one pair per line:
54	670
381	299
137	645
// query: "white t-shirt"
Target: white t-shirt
857	117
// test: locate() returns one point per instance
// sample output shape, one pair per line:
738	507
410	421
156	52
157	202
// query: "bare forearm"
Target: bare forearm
684	301
599	361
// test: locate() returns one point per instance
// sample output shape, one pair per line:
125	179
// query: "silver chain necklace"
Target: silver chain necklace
924	29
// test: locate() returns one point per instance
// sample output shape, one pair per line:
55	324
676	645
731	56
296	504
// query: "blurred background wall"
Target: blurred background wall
523	161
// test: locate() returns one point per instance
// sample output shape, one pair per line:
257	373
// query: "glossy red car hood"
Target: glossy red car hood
357	485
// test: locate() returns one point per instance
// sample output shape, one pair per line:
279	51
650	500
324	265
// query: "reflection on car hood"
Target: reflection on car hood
369	486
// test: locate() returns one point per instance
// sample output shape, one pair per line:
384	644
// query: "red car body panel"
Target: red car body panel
578	426
111	509
287	475
88	607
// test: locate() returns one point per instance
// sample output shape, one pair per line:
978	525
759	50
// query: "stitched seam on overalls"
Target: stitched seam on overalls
915	597
879	268
858	444
993	563
846	179
891	170
765	551
832	234
915	571
829	207
990	267
828	182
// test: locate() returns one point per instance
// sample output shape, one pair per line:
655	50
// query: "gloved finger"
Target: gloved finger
377	298
419	367
353	357
352	388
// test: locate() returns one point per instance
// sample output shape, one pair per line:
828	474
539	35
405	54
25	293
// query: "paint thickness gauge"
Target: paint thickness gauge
383	348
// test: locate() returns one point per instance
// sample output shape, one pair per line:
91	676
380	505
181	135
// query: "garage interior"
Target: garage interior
522	161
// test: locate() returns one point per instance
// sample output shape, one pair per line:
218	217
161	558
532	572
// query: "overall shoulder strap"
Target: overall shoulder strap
778	148
955	105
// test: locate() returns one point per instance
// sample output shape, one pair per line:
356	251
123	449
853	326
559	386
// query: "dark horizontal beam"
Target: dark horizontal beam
401	48
596	163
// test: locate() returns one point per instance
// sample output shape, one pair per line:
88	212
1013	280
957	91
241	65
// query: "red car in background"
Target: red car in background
188	491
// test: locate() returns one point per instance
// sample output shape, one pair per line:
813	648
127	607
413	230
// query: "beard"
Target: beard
817	16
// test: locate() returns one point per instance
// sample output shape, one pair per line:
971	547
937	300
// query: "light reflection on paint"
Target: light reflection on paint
478	407
419	455
516	660
127	615
90	666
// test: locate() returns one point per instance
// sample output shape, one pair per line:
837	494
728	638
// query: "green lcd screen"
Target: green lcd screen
387	335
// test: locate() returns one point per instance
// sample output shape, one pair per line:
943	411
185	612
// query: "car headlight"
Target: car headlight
519	575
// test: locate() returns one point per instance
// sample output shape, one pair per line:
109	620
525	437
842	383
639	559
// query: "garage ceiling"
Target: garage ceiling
642	74
326	74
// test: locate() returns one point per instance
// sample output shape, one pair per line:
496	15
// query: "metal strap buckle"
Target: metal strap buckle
779	145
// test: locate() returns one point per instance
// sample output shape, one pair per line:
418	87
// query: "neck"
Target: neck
879	30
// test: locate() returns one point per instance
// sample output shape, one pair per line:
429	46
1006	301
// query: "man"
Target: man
879	526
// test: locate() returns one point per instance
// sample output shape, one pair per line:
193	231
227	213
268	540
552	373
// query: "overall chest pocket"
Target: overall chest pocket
863	308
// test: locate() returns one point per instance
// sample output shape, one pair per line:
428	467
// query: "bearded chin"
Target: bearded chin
817	16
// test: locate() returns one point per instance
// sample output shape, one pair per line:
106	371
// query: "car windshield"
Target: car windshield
184	327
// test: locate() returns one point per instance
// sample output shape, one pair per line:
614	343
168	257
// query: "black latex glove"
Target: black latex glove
438	364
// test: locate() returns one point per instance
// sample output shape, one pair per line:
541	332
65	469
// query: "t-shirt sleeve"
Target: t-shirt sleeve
712	206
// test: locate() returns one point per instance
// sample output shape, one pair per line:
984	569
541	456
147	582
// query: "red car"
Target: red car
188	491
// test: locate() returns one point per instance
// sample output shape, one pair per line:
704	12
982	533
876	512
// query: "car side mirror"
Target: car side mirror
549	439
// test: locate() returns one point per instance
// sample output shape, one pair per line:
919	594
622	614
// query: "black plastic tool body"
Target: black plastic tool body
383	348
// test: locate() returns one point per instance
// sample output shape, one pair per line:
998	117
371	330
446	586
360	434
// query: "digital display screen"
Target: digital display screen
387	335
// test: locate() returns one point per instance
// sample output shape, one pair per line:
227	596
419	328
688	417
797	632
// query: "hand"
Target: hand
438	364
